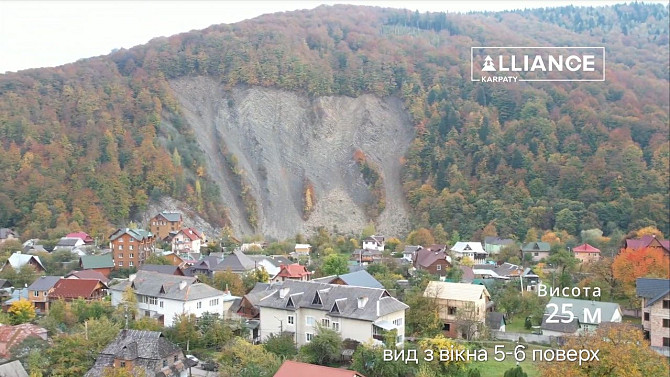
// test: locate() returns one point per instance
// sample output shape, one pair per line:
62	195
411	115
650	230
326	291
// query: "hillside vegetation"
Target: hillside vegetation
88	144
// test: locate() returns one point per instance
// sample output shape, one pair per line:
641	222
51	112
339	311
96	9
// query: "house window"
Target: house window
452	310
199	305
397	322
666	322
120	247
164	363
646	316
120	264
666	342
439	267
131	255
131	247
121	239
536	254
290	319
121	256
153	300
309	321
36	293
122	364
398	339
160	303
446	327
131	263
214	302
666	304
309	336
325	322
336	326
175	359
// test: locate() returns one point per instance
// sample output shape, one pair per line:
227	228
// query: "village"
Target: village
169	286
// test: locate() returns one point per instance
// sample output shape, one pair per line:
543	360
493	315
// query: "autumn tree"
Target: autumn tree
335	264
226	280
324	349
632	264
623	352
21	311
443	367
422	317
420	236
239	358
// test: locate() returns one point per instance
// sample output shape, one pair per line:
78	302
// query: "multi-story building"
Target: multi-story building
165	222
358	313
39	290
187	240
459	303
162	296
655	295
130	247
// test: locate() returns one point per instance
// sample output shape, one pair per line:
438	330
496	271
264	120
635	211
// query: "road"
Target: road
197	372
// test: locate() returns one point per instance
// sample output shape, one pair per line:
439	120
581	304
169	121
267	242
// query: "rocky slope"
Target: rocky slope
280	140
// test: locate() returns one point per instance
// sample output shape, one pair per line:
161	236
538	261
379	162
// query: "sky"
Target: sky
36	34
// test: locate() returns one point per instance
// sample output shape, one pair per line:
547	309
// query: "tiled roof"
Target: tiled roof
585	248
426	257
12	335
361	278
171	216
6	232
492	240
646	241
297	369
138	234
69	241
44	283
96	261
159	285
652	289
83	235
75	288
162	269
191	234
536	246
294	270
302	294
88	274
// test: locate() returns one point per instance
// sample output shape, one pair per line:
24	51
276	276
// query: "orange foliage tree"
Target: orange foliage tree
632	264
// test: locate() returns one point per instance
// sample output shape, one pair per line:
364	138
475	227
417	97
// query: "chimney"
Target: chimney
283	292
362	301
182	284
377	308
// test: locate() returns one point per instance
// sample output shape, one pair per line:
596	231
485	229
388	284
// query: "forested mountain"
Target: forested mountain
88	144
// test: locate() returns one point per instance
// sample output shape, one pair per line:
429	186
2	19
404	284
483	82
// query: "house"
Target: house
409	251
162	269
249	304
586	253
187	240
472	250
290	368
16	295
456	301
130	247
360	278
504	271
366	255
73	289
433	259
358	313
13	335
102	263
374	243
302	249
496	321
265	262
237	262
164	223
163	297
68	244
252	247
590	313
39	290
174	259
7	234
13	369
18	260
88	240
646	242
142	352
87	274
494	245
203	267
292	271
560	325
32	246
535	251
655	296
529	279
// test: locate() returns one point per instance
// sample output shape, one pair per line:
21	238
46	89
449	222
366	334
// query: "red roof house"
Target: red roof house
13	335
88	240
293	271
433	259
296	369
72	289
586	253
88	274
650	241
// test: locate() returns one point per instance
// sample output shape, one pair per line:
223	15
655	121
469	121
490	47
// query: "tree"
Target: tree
324	349
281	345
369	361
368	230
226	280
467	320
128	307
438	343
632	264
649	231
515	372
623	352
335	264
98	332
240	358
509	254
123	372
422	317
21	311
70	355
158	259
421	236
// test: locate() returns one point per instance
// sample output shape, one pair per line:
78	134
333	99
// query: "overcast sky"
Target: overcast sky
37	34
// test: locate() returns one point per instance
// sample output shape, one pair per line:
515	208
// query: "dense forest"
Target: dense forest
87	145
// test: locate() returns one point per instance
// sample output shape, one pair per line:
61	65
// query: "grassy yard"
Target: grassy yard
493	368
517	325
633	320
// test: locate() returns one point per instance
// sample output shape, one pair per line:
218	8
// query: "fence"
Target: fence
529	338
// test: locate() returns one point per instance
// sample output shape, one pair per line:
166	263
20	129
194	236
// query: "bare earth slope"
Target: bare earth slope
281	138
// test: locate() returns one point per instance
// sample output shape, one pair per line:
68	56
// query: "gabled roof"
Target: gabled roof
13	335
294	271
455	291
69	241
645	241
302	293
83	235
536	246
87	274
138	234
652	289
44	283
426	257
297	369
13	369
237	262
494	240
564	324
18	260
586	308
75	288
6	232
96	261
462	247
376	239
494	320
585	248
411	249
190	233
361	278
162	269
170	216
302	246
173	287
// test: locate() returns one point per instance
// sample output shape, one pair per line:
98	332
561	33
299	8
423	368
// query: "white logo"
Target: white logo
488	64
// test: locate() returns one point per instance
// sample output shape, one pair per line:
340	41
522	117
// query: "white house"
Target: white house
410	251
302	249
163	296
187	240
69	243
472	250
359	313
374	243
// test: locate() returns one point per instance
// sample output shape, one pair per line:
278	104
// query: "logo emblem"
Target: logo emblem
488	65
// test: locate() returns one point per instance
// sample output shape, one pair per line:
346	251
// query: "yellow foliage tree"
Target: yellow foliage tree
440	343
649	231
21	311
